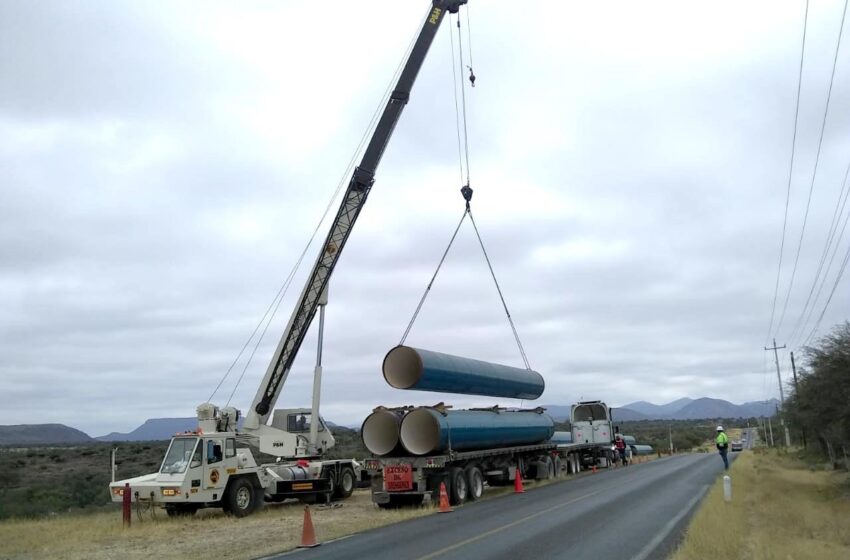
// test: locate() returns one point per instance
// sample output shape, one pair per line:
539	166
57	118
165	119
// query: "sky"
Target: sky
163	165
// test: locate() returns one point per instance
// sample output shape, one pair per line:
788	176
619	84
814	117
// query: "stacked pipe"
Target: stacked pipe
425	430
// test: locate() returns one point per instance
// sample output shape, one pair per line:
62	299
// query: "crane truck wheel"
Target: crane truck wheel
459	488
475	482
240	498
345	484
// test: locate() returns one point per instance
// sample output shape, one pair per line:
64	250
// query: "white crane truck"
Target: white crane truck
214	466
411	480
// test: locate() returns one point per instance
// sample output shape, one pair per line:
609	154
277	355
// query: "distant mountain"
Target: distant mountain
623	414
41	434
659	410
155	429
559	413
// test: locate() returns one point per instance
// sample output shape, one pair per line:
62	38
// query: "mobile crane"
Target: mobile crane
214	466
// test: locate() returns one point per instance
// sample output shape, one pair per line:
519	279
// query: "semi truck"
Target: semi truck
403	480
215	466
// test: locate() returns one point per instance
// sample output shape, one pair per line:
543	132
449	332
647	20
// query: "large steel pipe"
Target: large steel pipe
424	370
562	437
426	430
380	432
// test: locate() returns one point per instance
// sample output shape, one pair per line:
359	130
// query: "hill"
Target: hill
41	434
154	429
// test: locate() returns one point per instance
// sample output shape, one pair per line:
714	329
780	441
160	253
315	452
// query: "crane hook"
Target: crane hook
466	191
471	76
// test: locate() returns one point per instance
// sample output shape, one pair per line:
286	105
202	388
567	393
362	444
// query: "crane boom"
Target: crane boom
350	207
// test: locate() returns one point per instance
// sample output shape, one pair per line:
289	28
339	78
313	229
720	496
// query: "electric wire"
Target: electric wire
815	171
790	171
831	293
840	204
278	299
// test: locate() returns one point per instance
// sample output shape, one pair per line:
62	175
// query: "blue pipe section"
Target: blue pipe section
426	430
424	370
562	438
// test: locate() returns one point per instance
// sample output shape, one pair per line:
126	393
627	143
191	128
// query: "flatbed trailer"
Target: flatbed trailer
406	480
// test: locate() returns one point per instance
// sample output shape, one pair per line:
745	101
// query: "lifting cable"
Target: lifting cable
466	191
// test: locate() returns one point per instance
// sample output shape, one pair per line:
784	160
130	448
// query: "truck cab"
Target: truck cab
198	470
591	422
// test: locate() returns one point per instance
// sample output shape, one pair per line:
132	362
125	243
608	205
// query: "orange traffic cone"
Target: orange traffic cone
518	489
444	499
308	534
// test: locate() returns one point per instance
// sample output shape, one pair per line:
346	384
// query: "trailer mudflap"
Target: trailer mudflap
295	488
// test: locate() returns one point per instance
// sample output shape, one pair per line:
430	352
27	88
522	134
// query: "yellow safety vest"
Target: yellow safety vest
722	438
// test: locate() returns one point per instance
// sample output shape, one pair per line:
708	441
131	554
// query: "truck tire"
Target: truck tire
549	466
346	483
458	488
474	482
557	461
240	498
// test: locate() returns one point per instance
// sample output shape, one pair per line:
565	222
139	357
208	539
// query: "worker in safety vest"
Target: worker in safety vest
620	446
722	442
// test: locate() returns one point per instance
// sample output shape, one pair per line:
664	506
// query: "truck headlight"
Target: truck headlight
170	491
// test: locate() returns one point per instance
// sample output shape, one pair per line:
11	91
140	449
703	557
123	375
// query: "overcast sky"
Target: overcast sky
162	165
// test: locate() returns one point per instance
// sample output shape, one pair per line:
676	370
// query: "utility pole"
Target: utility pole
670	432
781	391
797	392
770	427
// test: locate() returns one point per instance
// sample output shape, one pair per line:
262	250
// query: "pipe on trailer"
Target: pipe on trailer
380	432
562	437
642	449
427	430
424	370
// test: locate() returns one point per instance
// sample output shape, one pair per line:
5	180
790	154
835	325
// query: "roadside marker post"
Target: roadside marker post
125	505
727	488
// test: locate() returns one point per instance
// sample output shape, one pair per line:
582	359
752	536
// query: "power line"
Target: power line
832	293
815	171
790	170
840	204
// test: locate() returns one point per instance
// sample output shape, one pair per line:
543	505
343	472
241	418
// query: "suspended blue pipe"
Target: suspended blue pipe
423	370
428	430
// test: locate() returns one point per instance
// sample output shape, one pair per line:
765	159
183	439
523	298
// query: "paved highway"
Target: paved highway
637	512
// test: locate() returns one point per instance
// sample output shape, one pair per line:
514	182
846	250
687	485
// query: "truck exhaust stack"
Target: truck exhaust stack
424	370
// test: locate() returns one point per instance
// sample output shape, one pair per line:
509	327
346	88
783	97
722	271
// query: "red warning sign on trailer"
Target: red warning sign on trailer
398	478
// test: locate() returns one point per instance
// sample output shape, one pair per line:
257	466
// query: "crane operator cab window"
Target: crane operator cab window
180	453
214	451
300	423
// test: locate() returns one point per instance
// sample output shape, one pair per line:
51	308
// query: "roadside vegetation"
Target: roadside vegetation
818	409
782	507
61	479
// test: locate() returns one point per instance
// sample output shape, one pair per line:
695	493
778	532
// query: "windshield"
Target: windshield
178	456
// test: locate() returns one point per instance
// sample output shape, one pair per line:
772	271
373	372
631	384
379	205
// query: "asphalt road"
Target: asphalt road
637	512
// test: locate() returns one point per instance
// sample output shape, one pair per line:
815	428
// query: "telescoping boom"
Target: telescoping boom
352	203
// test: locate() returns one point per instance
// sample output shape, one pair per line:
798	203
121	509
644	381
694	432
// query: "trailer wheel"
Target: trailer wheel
459	488
240	499
475	482
548	468
345	484
557	461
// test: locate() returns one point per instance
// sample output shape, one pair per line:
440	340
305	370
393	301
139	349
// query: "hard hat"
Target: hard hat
719	428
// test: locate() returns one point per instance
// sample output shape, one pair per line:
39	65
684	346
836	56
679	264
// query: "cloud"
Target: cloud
162	166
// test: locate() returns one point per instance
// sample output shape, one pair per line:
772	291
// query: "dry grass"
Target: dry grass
277	528
780	510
